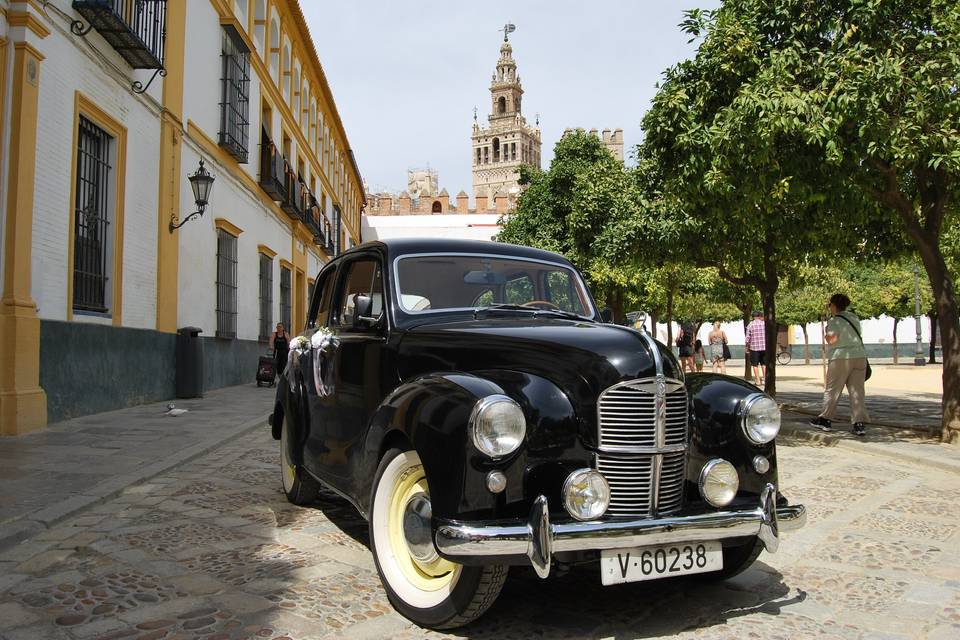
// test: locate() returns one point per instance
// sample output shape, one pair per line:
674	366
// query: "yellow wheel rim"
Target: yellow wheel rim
287	470
427	576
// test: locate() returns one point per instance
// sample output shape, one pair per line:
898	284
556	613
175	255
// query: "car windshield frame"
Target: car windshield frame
399	307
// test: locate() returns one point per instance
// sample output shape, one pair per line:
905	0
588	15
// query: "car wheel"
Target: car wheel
429	590
299	486
737	559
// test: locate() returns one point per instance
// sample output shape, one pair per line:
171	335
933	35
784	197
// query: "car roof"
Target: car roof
397	247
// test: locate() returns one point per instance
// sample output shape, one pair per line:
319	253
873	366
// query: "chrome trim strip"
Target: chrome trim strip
670	448
657	357
481	539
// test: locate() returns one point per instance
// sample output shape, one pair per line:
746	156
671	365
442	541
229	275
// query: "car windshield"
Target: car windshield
458	282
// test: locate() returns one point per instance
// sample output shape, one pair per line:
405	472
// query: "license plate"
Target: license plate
649	563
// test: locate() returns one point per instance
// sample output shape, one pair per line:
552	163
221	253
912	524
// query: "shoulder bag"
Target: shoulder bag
854	327
726	350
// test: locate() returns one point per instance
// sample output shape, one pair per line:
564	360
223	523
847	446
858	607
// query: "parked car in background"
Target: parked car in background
468	400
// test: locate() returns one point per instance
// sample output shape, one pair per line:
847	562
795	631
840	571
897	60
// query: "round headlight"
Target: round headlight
497	426
586	494
760	418
719	482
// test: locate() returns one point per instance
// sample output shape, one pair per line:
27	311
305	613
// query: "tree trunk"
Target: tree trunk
945	301
768	299
747	373
653	324
806	345
616	306
933	338
896	354
670	318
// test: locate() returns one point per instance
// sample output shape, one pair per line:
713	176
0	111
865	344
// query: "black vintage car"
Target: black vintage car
469	400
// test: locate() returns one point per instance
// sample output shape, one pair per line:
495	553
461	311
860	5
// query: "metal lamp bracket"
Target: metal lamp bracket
138	87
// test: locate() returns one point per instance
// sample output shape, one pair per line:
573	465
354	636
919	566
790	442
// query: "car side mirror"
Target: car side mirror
606	315
362	307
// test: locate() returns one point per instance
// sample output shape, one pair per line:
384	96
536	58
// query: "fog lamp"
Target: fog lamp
586	494
497	425
719	482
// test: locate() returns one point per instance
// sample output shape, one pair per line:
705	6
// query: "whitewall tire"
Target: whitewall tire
427	589
298	485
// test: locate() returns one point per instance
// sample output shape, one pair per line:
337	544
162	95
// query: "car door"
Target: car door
353	369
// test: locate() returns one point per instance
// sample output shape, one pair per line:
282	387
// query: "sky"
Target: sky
406	76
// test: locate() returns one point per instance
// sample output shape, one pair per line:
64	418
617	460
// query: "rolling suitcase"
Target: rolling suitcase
266	371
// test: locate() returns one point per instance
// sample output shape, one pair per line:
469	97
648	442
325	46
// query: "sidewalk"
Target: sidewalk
48	476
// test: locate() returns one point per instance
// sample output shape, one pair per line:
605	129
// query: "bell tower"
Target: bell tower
507	141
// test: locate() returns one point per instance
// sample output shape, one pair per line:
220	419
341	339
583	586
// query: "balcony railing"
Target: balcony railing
294	203
135	28
273	169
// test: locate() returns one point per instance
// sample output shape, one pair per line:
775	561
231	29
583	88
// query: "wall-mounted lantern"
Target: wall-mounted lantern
201	182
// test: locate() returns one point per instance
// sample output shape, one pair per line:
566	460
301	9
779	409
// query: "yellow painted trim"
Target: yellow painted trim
267	251
82	105
286	264
3	86
225	225
23	402
242	30
169	176
28	20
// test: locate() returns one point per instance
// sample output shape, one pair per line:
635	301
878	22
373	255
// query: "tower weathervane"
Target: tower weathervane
507	30
474	114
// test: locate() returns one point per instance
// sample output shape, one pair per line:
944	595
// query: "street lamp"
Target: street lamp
201	182
918	359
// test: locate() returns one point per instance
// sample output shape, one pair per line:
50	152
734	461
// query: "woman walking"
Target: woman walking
716	339
280	343
847	366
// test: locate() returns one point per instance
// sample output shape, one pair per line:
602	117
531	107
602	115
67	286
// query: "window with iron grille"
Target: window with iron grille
226	285
92	248
266	296
234	94
285	298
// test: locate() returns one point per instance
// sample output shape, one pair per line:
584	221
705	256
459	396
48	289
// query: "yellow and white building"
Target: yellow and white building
107	107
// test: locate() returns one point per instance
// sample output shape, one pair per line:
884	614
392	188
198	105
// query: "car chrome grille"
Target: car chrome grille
642	428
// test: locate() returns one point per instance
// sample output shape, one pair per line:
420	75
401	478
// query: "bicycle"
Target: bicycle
784	354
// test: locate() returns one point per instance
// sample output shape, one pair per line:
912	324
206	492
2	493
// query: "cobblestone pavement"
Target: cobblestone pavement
211	550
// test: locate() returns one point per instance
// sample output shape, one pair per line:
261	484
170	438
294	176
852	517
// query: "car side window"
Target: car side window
322	301
363	278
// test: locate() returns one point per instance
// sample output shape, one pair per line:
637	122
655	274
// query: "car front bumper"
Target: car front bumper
537	539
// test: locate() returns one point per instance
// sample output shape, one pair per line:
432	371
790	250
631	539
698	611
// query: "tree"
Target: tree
872	87
565	209
719	187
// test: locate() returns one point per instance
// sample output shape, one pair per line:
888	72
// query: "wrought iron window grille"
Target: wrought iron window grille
285	300
235	95
91	239
266	296
226	285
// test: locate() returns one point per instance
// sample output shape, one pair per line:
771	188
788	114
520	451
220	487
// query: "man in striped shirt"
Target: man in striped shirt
756	346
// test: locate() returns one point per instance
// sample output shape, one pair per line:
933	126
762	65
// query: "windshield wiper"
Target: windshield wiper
520	307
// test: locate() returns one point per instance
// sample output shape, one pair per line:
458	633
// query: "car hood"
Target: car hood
582	358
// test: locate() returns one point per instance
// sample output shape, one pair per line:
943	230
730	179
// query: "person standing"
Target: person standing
699	357
756	345
280	343
717	339
847	366
685	349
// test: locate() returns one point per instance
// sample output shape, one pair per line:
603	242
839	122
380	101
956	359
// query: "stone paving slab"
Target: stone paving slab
211	549
74	465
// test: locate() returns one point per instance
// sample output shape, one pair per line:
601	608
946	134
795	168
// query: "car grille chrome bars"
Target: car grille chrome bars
642	436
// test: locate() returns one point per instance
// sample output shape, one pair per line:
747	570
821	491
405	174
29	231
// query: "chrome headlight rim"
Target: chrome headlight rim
746	405
482	405
704	474
575	475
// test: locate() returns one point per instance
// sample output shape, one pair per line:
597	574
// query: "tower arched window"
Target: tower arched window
496	149
501	104
436	208
478	155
